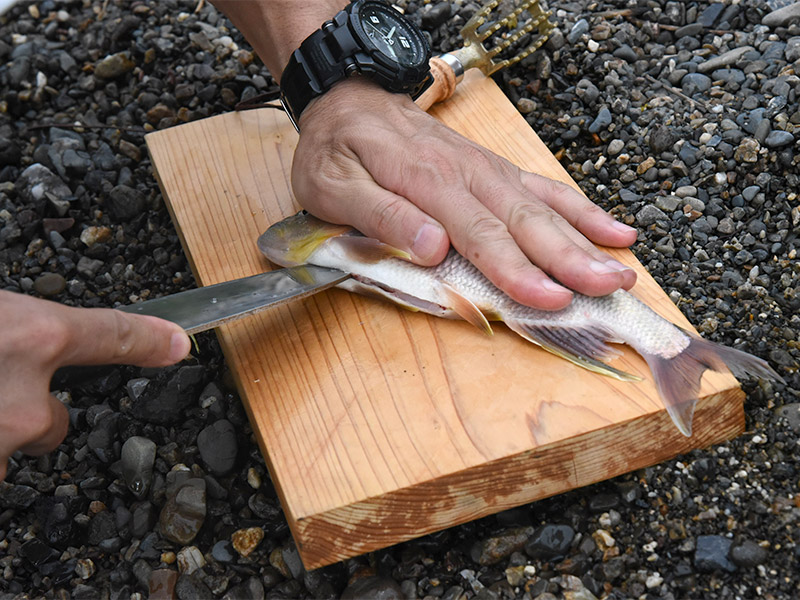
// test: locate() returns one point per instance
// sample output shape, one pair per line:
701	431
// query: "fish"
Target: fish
456	289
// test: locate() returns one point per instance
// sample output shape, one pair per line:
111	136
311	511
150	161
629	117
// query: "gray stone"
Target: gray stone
602	120
748	554
549	541
711	554
790	412
218	447
783	16
649	215
693	83
731	57
184	513
113	66
581	27
138	457
50	284
778	138
125	203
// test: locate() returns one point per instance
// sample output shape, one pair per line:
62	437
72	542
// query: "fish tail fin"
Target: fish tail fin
581	345
678	378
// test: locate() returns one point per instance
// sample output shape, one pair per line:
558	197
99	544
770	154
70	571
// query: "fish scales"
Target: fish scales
455	288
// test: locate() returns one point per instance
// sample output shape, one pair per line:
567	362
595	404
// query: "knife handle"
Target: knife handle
444	84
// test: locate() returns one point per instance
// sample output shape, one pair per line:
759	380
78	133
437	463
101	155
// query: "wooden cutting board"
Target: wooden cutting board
380	425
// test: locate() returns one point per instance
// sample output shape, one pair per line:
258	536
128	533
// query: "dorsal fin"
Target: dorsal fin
465	309
369	250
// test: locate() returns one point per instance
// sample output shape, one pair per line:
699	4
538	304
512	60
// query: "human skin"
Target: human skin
374	160
39	336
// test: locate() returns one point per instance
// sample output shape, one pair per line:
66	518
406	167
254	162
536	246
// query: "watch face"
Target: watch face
392	35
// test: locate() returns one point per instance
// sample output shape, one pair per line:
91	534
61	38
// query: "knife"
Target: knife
206	307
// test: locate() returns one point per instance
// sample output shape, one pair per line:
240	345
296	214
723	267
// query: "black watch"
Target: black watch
369	38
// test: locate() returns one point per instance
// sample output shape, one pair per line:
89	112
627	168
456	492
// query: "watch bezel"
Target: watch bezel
417	71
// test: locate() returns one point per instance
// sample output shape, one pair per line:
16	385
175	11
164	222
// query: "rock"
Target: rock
374	588
436	15
661	139
496	548
578	30
778	138
602	120
138	457
692	83
10	153
114	65
37	184
16	496
218	447
125	203
192	587
163	399
184	513
162	584
102	527
747	151
748	554
190	559
222	552
246	540
251	589
650	214
50	284
790	412
711	554
731	57
549	541
96	235
783	16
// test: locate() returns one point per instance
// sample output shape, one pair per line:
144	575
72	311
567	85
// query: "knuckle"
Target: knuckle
527	214
50	336
484	229
123	333
386	214
39	421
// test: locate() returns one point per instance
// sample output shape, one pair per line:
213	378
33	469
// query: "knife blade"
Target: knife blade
209	306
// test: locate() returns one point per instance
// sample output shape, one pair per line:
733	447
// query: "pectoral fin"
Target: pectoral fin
369	250
578	345
465	309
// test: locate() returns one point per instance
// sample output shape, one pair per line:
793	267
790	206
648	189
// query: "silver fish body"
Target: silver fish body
455	288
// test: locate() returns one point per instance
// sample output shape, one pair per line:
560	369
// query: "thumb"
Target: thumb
107	336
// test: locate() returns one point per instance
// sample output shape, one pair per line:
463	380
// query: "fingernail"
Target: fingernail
602	268
617	266
179	346
428	241
619	226
552	286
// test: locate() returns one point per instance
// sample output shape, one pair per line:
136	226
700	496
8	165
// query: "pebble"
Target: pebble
495	549
218	446
190	559
748	554
184	513
711	553
138	457
49	284
244	541
778	138
161	584
114	65
549	541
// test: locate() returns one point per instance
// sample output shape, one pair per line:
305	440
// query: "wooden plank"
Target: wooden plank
379	425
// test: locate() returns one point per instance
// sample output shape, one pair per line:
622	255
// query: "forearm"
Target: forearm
275	28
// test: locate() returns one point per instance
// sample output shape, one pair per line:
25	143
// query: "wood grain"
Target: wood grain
380	425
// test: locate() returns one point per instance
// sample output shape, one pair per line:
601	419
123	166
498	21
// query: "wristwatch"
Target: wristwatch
368	38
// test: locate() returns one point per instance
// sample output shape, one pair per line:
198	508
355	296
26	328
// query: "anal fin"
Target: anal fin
579	345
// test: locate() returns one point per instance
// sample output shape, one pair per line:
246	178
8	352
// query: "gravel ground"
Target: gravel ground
679	117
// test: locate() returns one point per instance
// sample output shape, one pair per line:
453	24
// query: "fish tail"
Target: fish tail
678	378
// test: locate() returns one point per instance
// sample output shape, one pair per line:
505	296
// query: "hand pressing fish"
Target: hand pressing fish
456	289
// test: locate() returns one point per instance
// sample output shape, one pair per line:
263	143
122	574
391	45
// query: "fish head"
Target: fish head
293	240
